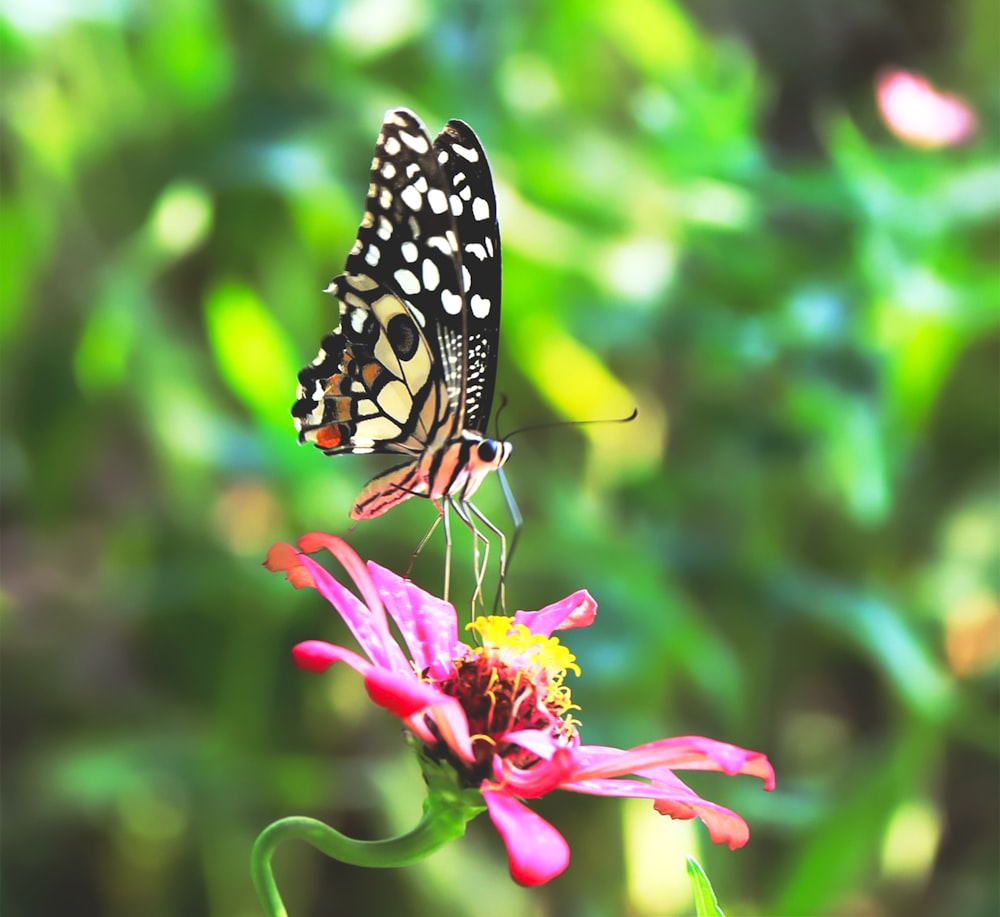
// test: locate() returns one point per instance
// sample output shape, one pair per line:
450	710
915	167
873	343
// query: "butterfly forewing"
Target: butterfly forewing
415	352
473	207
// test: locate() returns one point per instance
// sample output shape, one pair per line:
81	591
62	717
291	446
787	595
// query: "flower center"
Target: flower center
513	681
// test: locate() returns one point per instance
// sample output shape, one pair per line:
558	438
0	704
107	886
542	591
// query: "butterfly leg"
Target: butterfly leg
423	543
462	508
501	598
443	510
500	601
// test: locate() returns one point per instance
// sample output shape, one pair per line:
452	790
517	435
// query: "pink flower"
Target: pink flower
920	115
498	712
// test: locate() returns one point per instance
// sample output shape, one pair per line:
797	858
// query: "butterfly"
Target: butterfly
411	368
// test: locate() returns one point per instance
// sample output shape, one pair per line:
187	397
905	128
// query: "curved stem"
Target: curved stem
438	826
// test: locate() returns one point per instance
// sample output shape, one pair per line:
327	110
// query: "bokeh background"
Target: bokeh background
705	213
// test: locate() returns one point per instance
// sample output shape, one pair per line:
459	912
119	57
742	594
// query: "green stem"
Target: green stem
441	823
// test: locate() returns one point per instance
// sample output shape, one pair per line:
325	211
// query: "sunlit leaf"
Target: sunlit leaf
705	902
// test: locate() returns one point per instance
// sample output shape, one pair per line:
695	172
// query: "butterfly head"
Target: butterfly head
492	454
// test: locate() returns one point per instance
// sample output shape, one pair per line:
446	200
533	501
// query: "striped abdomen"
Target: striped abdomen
454	470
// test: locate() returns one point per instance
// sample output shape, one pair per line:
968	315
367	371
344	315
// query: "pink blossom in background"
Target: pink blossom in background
497	711
920	115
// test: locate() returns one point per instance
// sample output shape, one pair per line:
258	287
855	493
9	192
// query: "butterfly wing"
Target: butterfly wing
415	351
473	206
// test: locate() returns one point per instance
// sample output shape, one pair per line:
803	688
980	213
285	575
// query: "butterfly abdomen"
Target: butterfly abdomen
454	470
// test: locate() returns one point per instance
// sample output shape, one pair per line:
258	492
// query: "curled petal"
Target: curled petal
724	826
452	726
543	777
535	850
539	742
317	656
349	560
411	700
576	610
400	693
284	558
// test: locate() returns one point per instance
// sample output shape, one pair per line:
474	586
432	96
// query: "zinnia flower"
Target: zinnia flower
498	712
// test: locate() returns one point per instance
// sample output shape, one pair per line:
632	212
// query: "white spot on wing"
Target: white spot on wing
414	142
466	278
409	251
384	231
437	201
456	205
430	274
407	281
451	302
385	199
392	146
466	152
480	306
474	248
411	197
357	320
388	170
372	255
480	209
440	244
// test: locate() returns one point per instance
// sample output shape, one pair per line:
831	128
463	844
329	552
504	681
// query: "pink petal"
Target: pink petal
400	693
682	753
535	850
542	777
920	115
538	741
367	623
724	826
349	560
576	610
428	624
317	656
452	727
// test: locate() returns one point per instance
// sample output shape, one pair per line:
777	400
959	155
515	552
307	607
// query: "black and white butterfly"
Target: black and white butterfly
411	367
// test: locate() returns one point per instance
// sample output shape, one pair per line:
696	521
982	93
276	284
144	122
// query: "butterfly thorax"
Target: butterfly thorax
450	469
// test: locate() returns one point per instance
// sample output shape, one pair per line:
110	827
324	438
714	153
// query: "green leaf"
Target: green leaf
705	903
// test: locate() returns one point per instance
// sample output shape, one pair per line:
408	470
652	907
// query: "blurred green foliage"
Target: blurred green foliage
794	547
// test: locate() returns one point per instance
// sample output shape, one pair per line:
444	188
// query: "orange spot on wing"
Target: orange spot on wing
341	408
371	373
329	437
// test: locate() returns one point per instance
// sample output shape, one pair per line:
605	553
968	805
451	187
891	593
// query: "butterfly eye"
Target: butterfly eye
487	450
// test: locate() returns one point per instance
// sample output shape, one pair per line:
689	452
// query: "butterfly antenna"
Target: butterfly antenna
496	418
573	423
